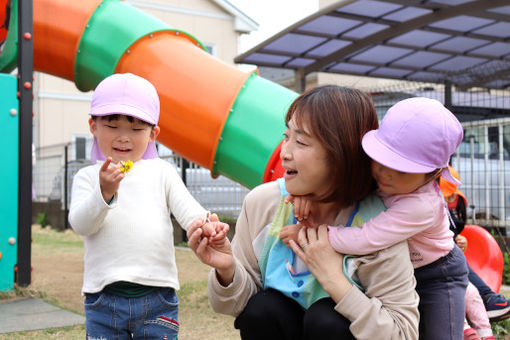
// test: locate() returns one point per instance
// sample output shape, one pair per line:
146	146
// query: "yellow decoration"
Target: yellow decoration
126	166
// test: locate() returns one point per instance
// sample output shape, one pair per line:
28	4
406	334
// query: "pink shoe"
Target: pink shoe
470	334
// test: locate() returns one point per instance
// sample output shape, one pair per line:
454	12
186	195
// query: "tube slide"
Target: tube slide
228	121
484	255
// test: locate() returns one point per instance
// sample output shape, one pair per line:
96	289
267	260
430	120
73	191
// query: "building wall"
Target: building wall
61	110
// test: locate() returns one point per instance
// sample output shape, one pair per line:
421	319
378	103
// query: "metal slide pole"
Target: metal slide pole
25	87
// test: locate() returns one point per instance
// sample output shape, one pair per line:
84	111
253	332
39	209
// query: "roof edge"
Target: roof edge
242	23
317	14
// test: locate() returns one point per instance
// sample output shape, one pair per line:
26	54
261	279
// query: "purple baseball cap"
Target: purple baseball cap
130	95
417	135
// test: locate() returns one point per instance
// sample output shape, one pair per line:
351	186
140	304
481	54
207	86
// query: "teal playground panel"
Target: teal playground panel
9	121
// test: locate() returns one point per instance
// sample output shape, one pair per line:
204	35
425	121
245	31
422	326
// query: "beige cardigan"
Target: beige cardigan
388	309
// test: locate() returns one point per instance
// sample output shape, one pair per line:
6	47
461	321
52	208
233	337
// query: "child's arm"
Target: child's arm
91	197
403	219
181	203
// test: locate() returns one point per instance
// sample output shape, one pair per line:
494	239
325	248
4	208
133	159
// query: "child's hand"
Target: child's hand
290	232
461	242
301	207
109	179
220	236
214	230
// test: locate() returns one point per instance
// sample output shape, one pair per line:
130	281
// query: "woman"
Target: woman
272	292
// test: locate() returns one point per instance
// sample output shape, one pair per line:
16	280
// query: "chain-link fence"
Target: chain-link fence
483	159
54	169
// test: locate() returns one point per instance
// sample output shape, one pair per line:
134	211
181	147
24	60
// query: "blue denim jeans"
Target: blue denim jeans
110	317
442	287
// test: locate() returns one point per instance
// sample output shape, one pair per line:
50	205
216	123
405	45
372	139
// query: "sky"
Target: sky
272	16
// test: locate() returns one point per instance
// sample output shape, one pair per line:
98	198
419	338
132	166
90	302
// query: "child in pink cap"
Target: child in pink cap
130	274
409	152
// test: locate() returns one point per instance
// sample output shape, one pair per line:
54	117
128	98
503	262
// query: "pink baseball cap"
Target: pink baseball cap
130	95
417	135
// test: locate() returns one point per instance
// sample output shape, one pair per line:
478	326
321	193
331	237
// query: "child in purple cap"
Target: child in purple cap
130	274
409	152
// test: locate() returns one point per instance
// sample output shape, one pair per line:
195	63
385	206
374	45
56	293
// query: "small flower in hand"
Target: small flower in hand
126	166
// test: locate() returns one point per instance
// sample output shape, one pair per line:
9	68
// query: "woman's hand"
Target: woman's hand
215	254
322	260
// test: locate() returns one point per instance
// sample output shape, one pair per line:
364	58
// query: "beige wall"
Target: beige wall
61	110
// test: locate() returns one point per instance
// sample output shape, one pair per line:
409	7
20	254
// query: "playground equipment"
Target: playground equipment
226	120
213	114
484	255
16	116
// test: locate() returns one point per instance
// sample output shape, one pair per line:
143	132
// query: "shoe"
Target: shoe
497	306
470	334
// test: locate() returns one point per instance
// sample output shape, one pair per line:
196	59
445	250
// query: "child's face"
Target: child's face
393	182
121	139
307	170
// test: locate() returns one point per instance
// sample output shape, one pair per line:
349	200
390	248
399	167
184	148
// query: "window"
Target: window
211	48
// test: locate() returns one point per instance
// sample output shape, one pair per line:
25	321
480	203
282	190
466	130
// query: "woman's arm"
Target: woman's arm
389	307
231	285
231	288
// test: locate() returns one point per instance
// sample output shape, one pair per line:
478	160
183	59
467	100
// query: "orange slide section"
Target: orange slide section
58	26
193	112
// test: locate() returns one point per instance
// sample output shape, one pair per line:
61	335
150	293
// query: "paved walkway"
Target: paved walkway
33	314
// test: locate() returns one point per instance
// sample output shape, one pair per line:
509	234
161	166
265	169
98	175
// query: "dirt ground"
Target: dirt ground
58	273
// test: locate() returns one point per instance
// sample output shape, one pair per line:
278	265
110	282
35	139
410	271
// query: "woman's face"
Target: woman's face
307	171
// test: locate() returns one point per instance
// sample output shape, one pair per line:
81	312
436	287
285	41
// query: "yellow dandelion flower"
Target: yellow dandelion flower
126	166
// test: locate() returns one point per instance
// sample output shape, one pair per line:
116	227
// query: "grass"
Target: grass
57	258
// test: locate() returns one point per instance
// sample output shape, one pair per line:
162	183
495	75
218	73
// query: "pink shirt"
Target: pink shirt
420	217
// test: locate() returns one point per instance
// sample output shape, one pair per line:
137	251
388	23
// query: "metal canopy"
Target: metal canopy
462	42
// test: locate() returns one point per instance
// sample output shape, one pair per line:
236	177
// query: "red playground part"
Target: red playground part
484	255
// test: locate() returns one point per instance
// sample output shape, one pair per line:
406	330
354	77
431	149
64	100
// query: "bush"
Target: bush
42	220
500	329
506	269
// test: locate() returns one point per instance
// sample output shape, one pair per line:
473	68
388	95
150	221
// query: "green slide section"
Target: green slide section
9	175
112	29
252	130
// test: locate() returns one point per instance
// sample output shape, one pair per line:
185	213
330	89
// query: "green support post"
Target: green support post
9	120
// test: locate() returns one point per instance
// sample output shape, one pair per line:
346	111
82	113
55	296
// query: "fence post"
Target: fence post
66	209
184	166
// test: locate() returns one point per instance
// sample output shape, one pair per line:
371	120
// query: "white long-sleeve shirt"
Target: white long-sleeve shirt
132	238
